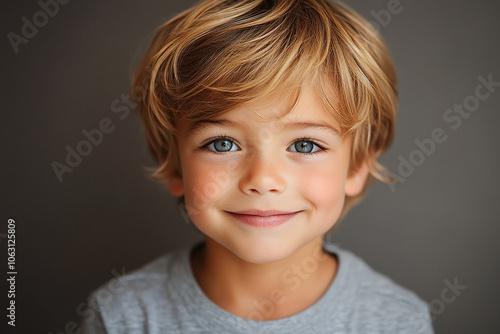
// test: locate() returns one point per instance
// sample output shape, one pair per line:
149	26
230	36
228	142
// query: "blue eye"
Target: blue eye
304	146
222	145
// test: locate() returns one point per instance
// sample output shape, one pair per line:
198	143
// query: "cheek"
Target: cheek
324	188
204	184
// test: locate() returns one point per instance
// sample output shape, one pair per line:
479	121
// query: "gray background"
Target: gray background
440	224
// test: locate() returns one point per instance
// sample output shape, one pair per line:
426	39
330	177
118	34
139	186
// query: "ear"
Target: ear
356	180
175	185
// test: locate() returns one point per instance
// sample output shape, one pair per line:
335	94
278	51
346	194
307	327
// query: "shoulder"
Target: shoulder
129	300
140	280
376	300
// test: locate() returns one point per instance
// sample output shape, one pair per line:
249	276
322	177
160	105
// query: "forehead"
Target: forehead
285	110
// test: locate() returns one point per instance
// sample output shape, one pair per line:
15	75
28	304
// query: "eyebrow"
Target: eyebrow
304	125
200	125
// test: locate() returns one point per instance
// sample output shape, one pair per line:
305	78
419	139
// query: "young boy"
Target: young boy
266	118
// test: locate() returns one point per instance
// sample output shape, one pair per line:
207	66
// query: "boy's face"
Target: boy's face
264	189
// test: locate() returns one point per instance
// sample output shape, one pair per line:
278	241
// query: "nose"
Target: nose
263	174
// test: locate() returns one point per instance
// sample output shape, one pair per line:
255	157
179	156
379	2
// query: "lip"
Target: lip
263	218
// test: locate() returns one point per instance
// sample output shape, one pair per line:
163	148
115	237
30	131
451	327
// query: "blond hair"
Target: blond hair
223	53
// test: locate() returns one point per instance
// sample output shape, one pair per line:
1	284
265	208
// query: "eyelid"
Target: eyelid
313	141
206	143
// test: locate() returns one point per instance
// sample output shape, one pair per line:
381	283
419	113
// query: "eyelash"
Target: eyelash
307	139
314	142
212	140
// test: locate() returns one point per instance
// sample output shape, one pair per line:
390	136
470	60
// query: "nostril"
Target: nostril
257	191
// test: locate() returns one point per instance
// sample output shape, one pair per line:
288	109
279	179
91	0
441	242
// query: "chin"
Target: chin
262	252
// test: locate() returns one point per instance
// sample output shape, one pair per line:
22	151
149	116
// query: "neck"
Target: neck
263	291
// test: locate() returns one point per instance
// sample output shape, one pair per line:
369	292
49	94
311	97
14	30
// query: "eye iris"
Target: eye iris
223	145
303	146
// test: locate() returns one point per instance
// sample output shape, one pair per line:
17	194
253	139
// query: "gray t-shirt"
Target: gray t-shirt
164	297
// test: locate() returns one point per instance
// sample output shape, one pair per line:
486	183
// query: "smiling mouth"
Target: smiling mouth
264	219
